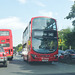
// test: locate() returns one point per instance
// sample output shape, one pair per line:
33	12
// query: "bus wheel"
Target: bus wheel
50	62
11	58
5	64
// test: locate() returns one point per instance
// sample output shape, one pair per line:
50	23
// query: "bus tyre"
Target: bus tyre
5	64
50	62
11	58
59	59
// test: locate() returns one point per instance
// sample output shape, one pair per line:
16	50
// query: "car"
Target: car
3	57
24	51
60	55
20	52
69	56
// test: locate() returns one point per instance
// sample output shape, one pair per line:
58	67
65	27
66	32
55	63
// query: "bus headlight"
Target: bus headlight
56	55
33	55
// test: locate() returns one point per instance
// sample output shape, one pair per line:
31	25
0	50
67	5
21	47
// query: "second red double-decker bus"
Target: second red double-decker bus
40	40
6	42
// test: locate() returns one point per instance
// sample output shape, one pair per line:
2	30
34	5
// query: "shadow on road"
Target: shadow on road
1	65
56	68
20	73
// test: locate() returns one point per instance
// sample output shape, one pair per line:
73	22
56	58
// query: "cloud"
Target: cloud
44	13
72	0
12	23
40	4
22	1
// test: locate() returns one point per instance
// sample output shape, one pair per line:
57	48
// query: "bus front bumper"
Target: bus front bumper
10	56
44	59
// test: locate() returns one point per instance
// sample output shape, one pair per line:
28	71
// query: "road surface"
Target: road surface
19	67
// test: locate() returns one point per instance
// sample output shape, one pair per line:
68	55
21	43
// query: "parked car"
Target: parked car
69	56
60	55
24	51
20	52
3	57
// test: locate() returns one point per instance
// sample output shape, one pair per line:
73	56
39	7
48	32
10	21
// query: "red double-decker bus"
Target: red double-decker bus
40	40
6	42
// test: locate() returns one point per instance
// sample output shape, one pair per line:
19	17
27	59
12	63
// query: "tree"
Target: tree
71	15
71	36
19	47
63	38
70	39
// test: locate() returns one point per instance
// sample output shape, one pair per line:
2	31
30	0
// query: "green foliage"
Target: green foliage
71	36
67	39
19	47
62	35
70	39
71	15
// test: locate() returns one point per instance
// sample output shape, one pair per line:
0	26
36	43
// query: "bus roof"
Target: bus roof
43	17
5	29
38	17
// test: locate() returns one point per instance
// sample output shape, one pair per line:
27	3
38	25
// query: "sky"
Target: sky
16	14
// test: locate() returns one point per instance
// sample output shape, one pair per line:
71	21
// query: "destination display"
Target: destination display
4	33
44	33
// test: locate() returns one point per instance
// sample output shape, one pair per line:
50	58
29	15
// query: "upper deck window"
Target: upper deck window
4	33
44	23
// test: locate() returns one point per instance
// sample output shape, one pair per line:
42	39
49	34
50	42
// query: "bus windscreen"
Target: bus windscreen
44	35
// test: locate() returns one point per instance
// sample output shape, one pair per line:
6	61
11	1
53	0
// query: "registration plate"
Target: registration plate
44	60
73	56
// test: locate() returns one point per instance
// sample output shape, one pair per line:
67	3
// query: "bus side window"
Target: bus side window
29	28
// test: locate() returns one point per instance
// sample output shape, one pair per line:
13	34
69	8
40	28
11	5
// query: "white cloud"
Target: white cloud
40	4
44	13
22	1
56	14
12	23
72	0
